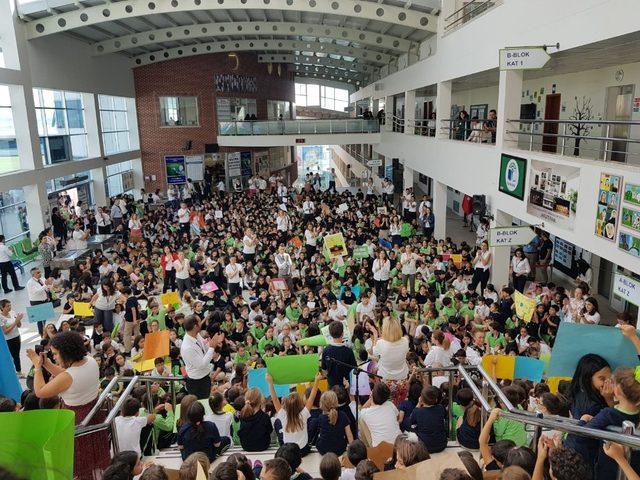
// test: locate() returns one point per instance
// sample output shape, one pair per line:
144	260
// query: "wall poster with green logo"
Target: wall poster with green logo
513	172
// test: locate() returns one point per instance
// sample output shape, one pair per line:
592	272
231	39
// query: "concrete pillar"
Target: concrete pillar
443	109
501	256
375	106
509	99
409	112
439	208
138	177
407	177
388	110
93	125
37	203
99	177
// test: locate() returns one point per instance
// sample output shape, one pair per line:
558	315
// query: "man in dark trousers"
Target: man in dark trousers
336	352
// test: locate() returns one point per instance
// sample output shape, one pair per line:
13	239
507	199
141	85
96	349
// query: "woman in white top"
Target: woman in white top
79	236
10	322
394	231
75	377
522	340
519	270
103	303
440	352
135	229
381	268
391	350
310	240
293	413
249	242
233	271
590	312
481	268
183	280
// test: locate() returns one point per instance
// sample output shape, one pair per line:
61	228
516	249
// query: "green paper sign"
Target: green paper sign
38	444
361	252
406	230
292	368
513	173
315	341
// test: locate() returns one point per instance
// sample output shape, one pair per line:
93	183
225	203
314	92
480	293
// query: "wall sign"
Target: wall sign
230	82
524	58
608	206
513	173
510	236
553	193
175	168
627	288
233	164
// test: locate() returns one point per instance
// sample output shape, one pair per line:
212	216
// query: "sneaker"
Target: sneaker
8	290
19	288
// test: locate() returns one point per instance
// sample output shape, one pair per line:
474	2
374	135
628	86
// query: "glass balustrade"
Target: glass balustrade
298	127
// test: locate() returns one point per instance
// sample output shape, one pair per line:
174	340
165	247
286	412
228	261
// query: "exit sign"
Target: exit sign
300	140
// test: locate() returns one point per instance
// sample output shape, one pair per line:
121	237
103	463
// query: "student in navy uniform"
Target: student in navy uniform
336	373
197	435
428	420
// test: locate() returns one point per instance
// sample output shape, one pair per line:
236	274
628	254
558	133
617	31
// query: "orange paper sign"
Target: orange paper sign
156	345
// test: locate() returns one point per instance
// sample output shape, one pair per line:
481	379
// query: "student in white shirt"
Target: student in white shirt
10	323
408	263
233	272
103	221
38	291
129	425
80	237
380	416
519	270
308	209
183	218
219	417
310	240
249	242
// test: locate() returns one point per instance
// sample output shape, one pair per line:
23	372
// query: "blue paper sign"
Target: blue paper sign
385	243
258	379
575	340
9	383
529	368
41	312
355	290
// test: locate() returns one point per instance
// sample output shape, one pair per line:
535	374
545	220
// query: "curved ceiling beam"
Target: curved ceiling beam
226	29
328	77
134	8
325	61
272	45
330	73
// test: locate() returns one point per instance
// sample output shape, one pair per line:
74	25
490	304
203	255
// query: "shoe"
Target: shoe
19	288
8	290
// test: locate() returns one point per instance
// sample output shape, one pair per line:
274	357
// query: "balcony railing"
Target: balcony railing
468	11
618	140
299	127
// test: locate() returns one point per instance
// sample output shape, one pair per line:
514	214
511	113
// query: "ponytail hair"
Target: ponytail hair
442	339
329	406
253	400
196	418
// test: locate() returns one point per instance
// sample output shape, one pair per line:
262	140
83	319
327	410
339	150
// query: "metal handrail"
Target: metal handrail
595	122
103	396
468	14
299	127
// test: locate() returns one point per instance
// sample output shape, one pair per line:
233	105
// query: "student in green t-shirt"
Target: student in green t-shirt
447	309
156	312
242	355
467	310
293	310
258	328
494	338
268	339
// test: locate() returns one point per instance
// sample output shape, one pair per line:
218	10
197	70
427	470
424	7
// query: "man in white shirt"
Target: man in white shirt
197	354
380	417
6	267
408	263
183	218
233	271
283	262
103	221
308	208
38	291
337	311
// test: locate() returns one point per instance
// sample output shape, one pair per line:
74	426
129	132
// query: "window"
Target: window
235	109
63	135
119	178
307	95
9	160
277	108
114	124
179	111
13	214
334	98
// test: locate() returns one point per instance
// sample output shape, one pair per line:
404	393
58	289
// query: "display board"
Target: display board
553	193
175	168
195	167
513	173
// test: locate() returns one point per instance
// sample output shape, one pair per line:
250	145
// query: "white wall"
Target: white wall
474	169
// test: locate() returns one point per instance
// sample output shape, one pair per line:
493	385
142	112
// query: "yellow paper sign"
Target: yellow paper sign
525	306
169	298
335	245
82	309
553	383
504	368
148	365
323	386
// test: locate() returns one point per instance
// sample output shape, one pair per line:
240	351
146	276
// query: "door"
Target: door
618	106
551	112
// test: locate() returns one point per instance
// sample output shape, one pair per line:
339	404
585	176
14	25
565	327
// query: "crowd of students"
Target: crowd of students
407	300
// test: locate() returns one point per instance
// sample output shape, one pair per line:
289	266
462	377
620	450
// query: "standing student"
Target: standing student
6	267
519	269
294	414
255	425
337	373
197	355
481	268
167	261
381	270
131	318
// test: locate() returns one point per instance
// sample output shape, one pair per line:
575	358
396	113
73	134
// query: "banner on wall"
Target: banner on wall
195	167
312	154
553	193
608	206
245	164
233	164
261	163
513	173
388	172
175	168
627	288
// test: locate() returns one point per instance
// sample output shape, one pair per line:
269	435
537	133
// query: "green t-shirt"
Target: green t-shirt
264	341
505	429
257	332
450	311
465	311
495	341
293	313
160	317
244	358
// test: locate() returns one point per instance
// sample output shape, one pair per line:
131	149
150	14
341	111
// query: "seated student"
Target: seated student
162	430
505	429
380	417
334	431
407	406
124	466
189	468
468	425
154	472
365	470
290	452
293	414
408	451
314	416
129	425
356	452
346	405
330	468
220	417
255	425
274	469
198	435
337	351
428	420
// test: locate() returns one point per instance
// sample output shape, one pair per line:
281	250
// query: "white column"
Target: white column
375	106
407	177
98	177
26	126
388	110
439	208
409	112
443	109
501	256
509	98
138	176
92	125
37	203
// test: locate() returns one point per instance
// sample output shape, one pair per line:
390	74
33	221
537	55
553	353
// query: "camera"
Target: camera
39	349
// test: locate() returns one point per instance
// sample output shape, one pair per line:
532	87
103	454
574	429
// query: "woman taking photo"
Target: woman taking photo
181	266
135	229
167	261
391	349
10	322
519	270
481	268
381	268
75	378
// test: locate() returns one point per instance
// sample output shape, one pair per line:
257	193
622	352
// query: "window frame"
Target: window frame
178	97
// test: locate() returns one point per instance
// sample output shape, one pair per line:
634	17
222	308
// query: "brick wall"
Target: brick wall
194	76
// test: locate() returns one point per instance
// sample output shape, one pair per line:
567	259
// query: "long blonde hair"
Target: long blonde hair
292	406
391	330
253	401
329	405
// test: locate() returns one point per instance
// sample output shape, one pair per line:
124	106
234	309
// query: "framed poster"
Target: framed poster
631	218
608	206
175	168
629	243
553	193
233	164
195	167
513	173
632	193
